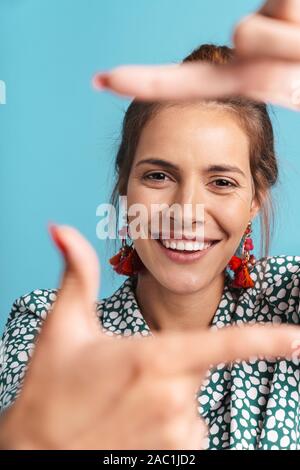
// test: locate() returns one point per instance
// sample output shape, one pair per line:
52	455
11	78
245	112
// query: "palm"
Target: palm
84	389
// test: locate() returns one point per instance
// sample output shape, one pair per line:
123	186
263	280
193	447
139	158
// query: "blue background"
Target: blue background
58	137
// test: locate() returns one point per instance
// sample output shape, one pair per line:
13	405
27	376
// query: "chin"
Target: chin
182	283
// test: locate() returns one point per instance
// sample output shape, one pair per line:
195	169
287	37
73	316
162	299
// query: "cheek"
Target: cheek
138	194
143	203
234	213
138	211
149	255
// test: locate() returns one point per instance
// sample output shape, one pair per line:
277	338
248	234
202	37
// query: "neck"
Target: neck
164	310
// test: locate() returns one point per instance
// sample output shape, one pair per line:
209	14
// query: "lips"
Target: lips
184	245
182	256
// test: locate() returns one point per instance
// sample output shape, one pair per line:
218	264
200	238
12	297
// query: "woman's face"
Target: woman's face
190	142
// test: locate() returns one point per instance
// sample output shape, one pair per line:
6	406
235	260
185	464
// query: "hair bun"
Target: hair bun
211	53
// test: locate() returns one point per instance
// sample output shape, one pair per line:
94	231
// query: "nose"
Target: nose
192	198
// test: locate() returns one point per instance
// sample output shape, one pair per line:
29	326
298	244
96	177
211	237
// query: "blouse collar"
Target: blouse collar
121	315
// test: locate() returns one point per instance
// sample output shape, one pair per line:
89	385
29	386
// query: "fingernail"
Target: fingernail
53	229
100	81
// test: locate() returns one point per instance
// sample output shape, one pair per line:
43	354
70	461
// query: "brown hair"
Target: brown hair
253	117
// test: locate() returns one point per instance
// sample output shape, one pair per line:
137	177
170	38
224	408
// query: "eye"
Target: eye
225	183
156	176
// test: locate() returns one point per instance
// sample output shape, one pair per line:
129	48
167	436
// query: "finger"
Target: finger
275	82
164	82
81	263
73	319
270	81
251	78
282	9
197	351
259	36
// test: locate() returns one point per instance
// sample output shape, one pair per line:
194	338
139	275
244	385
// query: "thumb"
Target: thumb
73	320
81	263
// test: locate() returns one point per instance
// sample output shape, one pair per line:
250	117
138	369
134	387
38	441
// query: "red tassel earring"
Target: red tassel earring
240	266
126	262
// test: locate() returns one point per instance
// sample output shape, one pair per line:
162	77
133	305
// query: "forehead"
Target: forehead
186	132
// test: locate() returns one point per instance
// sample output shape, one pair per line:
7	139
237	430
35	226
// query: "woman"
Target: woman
170	153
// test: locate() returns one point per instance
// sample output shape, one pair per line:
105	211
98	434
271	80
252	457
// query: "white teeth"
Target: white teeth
189	246
185	246
180	246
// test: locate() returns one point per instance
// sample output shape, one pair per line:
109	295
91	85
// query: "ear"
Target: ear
256	205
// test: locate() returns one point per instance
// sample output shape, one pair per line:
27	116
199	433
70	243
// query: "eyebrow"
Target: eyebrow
223	168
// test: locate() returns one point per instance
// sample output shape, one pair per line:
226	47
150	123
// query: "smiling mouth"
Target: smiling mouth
186	246
185	251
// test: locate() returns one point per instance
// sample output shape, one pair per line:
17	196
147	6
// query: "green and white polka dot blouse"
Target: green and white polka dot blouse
246	405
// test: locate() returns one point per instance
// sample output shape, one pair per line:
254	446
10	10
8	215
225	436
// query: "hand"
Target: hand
266	66
86	390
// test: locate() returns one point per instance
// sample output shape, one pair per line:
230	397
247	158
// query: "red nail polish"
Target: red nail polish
100	81
53	230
